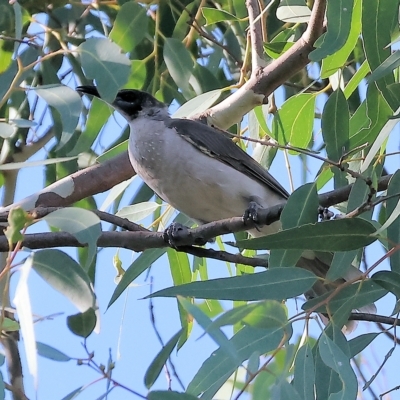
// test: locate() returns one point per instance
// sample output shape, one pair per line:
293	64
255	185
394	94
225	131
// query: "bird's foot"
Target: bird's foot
178	235
174	234
251	215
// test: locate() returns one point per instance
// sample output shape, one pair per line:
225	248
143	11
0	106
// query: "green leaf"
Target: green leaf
198	104
130	26
335	131
66	276
369	119
9	325
292	216
17	219
139	211
276	49
216	334
103	61
297	119
355	80
284	390
359	343
118	149
67	103
219	366
340	264
387	67
393	231
82	324
267	314
337	360
358	294
51	353
293	11
98	115
137	76
143	262
304	373
275	284
81	223
6	130
213	15
377	18
179	63
339	18
160	360
334	62
389	280
337	235
169	395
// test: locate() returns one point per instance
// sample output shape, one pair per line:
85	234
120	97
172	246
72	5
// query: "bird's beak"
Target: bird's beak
88	90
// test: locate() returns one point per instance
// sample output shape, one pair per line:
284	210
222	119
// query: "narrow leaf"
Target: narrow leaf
337	235
277	284
160	360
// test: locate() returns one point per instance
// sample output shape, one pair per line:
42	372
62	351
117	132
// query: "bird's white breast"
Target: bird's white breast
200	186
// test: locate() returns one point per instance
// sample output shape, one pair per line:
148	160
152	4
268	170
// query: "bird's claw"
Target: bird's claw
251	214
174	233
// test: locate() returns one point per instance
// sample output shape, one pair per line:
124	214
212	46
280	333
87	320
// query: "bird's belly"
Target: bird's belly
200	186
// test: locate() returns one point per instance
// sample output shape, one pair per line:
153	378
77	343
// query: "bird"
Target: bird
201	172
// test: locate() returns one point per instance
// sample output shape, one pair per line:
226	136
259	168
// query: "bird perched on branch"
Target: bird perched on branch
200	171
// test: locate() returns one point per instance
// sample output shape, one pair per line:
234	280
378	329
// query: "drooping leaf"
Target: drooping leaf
337	360
359	343
66	276
216	334
275	284
377	17
103	61
130	26
339	19
81	223
304	373
333	62
292	216
337	235
335	130
389	280
219	366
82	324
67	103
155	368
179	64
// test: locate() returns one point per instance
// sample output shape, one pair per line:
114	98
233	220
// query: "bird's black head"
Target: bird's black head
131	103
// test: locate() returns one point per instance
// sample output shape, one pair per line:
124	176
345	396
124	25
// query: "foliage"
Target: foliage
335	115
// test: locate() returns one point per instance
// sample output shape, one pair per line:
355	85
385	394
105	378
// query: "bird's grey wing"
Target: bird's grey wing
219	145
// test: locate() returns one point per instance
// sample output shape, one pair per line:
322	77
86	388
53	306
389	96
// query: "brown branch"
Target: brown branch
373	318
260	85
255	28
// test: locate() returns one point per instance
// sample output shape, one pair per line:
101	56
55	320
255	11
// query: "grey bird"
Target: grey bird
200	171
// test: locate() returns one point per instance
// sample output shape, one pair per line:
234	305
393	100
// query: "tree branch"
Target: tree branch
255	28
